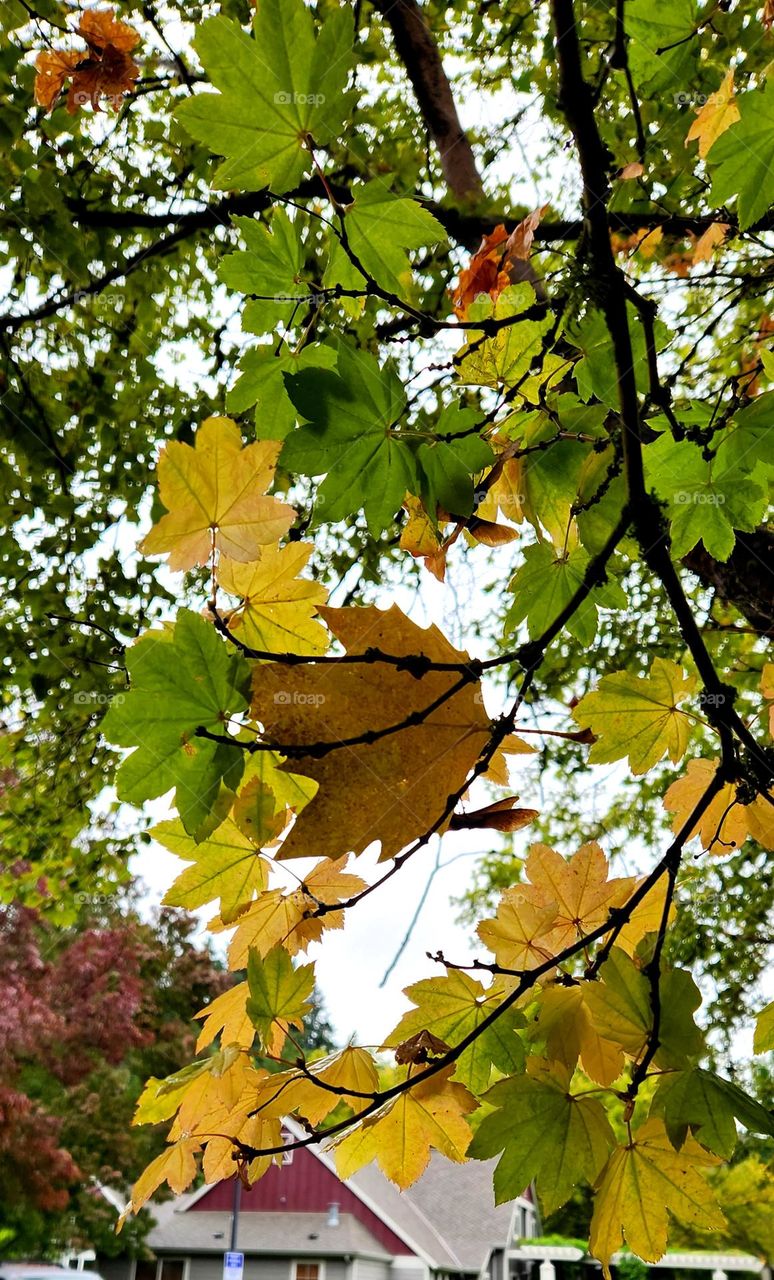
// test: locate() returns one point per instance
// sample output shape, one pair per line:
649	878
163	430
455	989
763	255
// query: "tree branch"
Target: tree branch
417	50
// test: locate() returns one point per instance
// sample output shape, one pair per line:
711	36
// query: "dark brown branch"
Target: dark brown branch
418	51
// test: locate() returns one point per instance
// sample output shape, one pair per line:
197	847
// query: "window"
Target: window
287	1156
163	1269
171	1269
308	1271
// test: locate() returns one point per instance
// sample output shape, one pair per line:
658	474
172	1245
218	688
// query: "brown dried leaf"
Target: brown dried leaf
420	1047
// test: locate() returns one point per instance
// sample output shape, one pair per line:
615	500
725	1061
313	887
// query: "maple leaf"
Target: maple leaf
710	240
718	114
564	1021
422	538
278	609
53	67
638	716
104	71
279	996
284	919
726	822
577	888
707	1105
545	1133
275	92
483	273
215	495
226	865
520	935
181	679
391	793
305	1092
176	1166
227	1015
519	242
621	1009
642	1183
764	1030
450	1008
401	1133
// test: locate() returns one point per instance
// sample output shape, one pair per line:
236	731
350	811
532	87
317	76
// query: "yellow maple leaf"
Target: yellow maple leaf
512	745
638	716
226	865
650	242
278	607
642	1182
710	240
726	822
175	1166
577	887
718	114
227	1015
400	1135
520	935
392	784
215	495
566	1023
285	1092
278	918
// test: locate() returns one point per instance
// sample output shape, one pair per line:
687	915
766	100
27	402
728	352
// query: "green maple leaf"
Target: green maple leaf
638	717
262	383
546	582
504	359
741	160
180	680
276	91
350	438
448	465
708	498
380	227
280	995
707	1104
660	49
451	1007
225	865
546	1134
764	1030
595	373
621	1009
268	268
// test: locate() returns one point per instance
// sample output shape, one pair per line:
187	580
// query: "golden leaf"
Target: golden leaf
718	114
215	495
392	784
644	1181
400	1135
278	608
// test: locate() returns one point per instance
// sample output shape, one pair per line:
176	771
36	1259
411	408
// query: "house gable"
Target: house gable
305	1185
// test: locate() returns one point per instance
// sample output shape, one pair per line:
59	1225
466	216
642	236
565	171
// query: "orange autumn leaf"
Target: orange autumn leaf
102	71
484	273
53	68
101	28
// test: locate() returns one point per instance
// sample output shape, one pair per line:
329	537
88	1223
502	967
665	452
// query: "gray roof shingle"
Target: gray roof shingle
207	1231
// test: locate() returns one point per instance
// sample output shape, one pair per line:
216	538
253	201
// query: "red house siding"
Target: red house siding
303	1186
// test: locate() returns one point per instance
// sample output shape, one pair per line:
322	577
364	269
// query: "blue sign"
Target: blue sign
233	1266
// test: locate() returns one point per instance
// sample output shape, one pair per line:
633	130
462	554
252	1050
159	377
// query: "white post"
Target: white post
719	1275
548	1270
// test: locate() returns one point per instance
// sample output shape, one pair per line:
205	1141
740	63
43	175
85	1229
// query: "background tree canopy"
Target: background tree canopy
531	357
